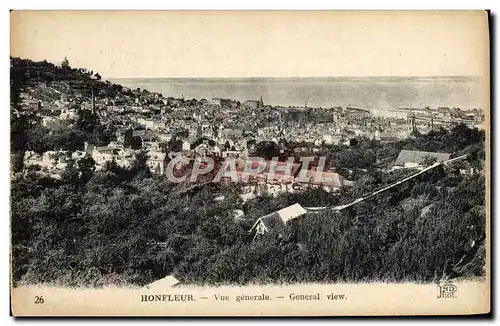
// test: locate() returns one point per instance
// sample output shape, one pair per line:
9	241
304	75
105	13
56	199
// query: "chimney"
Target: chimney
93	101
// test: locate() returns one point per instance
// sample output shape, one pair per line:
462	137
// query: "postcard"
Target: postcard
250	163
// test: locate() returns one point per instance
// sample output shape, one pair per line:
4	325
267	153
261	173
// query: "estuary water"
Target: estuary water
372	93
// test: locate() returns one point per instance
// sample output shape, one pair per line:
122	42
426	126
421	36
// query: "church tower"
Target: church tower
411	122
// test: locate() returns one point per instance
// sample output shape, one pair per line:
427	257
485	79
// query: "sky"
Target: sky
169	44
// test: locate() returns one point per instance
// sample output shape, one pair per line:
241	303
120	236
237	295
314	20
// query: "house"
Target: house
152	145
149	124
202	150
35	106
330	181
124	136
328	139
220	101
68	114
386	137
226	143
216	151
333	139
277	221
49	159
77	155
145	136
231	154
60	166
205	131
165	137
186	146
231	133
32	158
350	142
355	114
125	162
157	162
104	154
49	121
164	283
192	134
251	104
413	159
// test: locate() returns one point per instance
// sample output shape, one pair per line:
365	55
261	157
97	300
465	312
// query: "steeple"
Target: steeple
261	101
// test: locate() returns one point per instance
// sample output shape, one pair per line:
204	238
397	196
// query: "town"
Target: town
166	127
123	186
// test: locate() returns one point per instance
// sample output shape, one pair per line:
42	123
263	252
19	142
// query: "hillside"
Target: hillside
128	226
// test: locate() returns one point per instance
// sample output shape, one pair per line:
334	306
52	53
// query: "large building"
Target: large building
414	159
157	162
35	106
220	101
253	104
356	114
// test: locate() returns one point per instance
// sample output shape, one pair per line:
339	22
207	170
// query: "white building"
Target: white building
157	162
186	146
101	155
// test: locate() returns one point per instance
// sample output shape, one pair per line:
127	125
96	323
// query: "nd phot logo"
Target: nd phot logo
447	291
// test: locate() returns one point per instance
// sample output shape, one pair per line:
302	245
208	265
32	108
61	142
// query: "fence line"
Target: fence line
376	192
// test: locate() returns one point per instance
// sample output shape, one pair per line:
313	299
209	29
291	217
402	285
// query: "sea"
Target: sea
378	94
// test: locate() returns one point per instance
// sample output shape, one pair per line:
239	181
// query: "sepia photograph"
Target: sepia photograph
236	163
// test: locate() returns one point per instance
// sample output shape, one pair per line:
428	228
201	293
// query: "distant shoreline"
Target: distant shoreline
371	93
309	79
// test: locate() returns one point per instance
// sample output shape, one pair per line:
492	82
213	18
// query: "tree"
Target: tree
17	81
136	142
182	134
19	126
17	161
86	166
267	149
429	160
128	136
65	63
87	121
71	174
174	144
201	140
140	163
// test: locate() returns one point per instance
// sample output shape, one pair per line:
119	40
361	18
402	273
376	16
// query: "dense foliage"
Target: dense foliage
27	131
127	226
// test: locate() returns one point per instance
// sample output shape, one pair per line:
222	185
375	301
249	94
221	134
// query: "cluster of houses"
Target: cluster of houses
220	127
442	116
282	177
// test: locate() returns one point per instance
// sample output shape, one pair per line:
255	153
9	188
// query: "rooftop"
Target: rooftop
407	156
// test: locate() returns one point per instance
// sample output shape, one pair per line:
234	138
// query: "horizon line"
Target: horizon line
302	77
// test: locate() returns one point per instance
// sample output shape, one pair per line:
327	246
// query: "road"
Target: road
376	192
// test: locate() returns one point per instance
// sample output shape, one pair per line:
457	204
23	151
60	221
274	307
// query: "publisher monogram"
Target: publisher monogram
447	291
